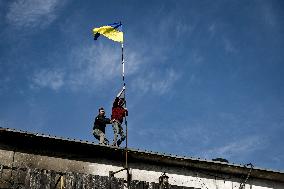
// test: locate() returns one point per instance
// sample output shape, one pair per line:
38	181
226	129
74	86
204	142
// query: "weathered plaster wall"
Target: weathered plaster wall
140	171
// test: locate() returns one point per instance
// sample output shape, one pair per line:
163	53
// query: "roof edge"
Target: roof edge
6	134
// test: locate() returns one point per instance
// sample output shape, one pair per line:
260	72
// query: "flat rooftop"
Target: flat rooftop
41	144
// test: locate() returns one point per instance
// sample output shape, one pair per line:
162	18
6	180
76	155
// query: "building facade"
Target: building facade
29	160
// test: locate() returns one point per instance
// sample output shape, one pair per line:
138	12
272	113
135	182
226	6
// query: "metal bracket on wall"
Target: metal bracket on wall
129	175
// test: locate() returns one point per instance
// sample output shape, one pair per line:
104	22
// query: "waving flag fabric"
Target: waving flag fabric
111	31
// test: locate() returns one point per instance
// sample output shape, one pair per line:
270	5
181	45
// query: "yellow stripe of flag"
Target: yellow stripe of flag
110	32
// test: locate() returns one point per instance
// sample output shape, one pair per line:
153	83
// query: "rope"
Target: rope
242	185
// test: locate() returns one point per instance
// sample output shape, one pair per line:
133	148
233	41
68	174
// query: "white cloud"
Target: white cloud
196	58
89	67
92	65
241	147
267	14
32	13
95	65
182	28
158	83
163	85
4	123
212	29
4	84
133	62
48	78
170	26
229	47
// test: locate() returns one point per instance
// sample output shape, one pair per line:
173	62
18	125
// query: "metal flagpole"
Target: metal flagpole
126	129
123	79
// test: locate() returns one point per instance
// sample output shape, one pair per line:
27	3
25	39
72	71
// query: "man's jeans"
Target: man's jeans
98	134
117	129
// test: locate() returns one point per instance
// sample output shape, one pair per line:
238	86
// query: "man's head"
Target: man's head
101	111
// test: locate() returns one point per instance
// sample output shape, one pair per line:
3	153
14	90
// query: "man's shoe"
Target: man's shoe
119	142
114	144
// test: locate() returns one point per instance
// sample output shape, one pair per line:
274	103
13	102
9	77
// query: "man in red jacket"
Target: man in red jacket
118	113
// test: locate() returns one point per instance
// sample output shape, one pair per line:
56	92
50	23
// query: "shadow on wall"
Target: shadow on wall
46	179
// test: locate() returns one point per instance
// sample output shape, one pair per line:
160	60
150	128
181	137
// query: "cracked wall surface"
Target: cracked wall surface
30	160
25	170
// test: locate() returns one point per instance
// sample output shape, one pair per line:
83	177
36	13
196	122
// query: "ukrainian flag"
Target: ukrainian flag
110	31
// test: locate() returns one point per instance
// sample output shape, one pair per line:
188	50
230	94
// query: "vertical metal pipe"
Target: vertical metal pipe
126	128
122	61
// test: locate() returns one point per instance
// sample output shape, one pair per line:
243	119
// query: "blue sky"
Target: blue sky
204	78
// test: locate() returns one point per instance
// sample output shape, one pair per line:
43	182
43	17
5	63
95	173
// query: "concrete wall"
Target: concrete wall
178	176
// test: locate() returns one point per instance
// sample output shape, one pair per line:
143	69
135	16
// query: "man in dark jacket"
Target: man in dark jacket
99	127
118	112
